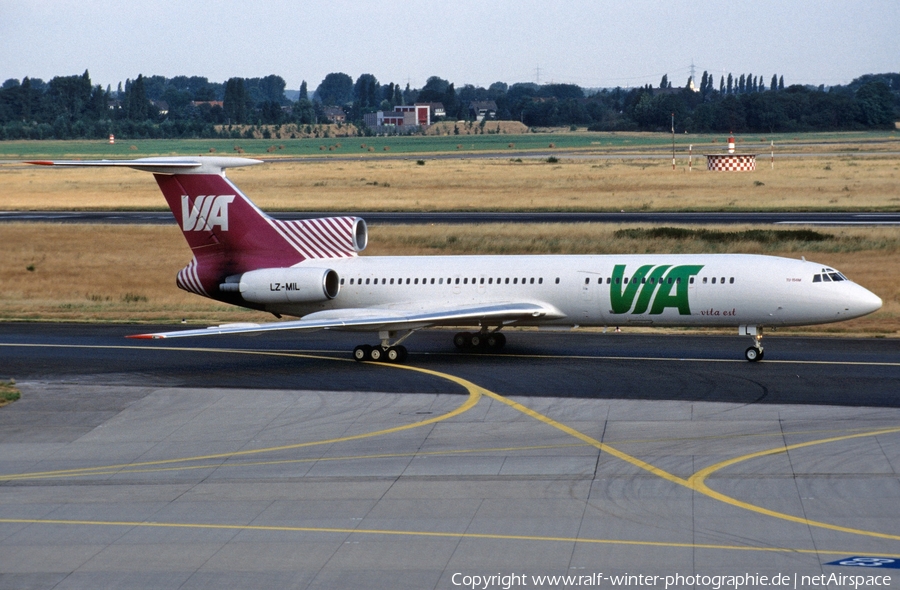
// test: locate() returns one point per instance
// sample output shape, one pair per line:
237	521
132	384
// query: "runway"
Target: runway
277	462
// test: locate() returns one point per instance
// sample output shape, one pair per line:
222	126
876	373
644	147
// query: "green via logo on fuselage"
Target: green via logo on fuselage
656	287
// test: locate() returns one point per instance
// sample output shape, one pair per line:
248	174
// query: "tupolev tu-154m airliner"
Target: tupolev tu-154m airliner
310	269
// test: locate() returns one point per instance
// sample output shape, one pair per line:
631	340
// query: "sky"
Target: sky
591	43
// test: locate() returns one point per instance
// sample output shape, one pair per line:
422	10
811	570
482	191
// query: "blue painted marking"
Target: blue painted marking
879	562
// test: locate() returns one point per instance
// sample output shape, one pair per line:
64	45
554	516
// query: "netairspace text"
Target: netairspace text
717	582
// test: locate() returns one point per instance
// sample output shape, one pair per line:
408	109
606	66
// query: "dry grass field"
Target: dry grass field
514	184
127	273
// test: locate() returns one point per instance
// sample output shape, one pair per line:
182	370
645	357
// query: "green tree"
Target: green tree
336	89
137	107
876	105
236	102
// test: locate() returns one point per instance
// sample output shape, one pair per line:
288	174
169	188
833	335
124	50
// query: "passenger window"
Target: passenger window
466	281
367	281
342	281
608	279
416	282
541	281
644	280
714	281
618	280
722	281
407	281
506	280
731	281
392	281
691	281
587	280
516	281
557	280
481	282
491	281
457	280
626	280
704	280
670	280
432	281
351	281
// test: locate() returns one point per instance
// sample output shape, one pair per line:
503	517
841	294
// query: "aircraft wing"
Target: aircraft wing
374	319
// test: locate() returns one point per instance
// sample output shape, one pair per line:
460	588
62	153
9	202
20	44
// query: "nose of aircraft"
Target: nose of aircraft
865	302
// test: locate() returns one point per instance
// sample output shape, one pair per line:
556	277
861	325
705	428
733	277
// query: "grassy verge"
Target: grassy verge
8	392
830	183
449	137
104	273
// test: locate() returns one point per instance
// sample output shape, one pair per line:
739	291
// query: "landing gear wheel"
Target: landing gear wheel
376	354
396	354
495	341
476	340
361	352
753	354
462	340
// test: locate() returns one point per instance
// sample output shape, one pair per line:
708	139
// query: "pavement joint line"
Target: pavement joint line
435	534
227	463
696	482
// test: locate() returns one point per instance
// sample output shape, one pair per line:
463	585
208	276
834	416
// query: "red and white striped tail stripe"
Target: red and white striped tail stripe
189	280
327	237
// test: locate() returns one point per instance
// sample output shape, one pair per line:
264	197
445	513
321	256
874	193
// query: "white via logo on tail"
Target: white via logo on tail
207	212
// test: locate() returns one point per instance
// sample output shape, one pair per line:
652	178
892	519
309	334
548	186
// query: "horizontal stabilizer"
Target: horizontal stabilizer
162	165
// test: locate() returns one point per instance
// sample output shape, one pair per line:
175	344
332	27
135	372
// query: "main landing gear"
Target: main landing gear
482	340
386	352
755	352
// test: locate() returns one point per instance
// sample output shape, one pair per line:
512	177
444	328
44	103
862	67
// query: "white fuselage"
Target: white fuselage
603	290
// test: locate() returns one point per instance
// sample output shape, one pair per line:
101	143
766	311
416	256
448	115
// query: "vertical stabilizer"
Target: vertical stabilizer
226	232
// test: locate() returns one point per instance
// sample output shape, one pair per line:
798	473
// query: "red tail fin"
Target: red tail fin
226	232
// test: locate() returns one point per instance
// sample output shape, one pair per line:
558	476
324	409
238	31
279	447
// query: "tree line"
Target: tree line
70	107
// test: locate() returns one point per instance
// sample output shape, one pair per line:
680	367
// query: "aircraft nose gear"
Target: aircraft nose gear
755	352
386	352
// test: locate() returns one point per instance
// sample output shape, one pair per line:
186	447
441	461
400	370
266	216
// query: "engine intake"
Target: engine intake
285	285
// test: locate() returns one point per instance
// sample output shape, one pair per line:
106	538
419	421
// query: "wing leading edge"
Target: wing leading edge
372	319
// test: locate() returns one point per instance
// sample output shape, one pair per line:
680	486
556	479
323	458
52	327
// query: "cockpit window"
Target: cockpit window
829	277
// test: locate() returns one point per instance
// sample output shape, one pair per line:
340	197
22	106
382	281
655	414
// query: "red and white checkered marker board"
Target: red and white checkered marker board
731	162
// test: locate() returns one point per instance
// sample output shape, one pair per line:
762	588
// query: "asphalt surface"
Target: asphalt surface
577	364
277	462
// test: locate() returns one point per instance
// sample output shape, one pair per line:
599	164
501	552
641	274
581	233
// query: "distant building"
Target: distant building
405	116
209	103
161	106
437	110
421	113
335	114
483	109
